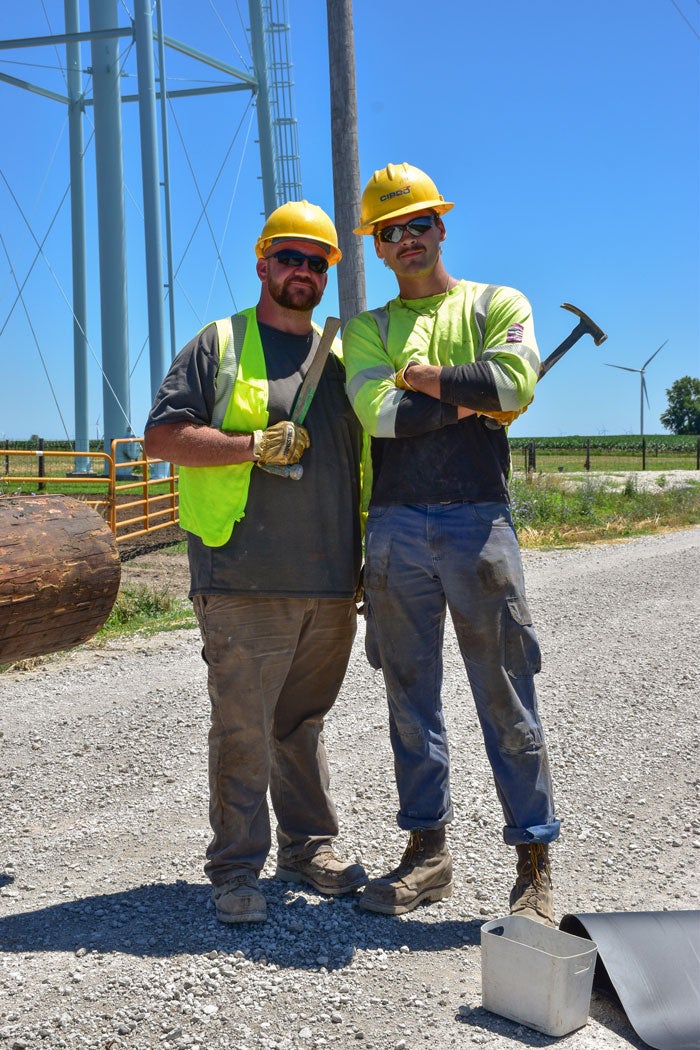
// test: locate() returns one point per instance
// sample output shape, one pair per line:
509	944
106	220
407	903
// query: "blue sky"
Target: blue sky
568	136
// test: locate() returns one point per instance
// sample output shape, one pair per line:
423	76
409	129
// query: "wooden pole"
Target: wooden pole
346	164
59	574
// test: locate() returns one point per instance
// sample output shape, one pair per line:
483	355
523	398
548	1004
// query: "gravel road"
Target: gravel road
107	936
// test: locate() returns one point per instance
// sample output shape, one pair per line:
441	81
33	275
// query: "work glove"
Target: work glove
505	418
400	377
280	444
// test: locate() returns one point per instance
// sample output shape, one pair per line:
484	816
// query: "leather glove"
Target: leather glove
400	377
506	418
280	444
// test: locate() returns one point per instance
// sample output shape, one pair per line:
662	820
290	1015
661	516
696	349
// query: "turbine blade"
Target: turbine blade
623	367
644	391
654	354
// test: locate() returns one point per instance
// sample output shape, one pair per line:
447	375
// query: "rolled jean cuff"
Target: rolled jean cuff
537	833
422	824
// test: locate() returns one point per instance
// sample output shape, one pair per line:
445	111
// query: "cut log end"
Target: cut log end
59	574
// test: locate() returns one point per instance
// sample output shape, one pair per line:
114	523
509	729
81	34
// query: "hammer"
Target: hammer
585	327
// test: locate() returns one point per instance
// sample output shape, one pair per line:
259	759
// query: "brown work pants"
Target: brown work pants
275	667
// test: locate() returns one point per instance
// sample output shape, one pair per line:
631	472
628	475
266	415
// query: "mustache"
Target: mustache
411	248
300	280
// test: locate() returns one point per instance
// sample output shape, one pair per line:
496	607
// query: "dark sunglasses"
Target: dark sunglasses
294	259
416	227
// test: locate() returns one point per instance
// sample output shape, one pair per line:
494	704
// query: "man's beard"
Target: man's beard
293	295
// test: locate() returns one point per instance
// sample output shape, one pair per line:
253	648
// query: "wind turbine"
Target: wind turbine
643	391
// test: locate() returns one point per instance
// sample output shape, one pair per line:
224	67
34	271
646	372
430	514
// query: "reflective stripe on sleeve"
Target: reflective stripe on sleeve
367	375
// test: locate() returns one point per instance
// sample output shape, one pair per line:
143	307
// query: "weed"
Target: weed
146	610
554	511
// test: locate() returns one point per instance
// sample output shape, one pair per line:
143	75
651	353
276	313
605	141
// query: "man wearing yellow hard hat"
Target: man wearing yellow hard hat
274	562
433	375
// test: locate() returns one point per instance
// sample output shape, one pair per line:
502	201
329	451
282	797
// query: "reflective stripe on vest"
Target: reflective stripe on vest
231	333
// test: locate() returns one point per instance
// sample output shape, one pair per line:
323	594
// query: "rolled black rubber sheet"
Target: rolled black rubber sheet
651	962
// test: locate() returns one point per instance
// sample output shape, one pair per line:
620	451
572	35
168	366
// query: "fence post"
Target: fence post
697	455
40	467
7	458
532	457
587	465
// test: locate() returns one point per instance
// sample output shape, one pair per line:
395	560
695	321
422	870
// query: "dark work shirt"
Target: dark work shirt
297	538
467	461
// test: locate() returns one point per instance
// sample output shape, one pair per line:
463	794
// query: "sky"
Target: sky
567	135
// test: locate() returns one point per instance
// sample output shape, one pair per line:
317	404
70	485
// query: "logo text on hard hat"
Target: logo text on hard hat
395	193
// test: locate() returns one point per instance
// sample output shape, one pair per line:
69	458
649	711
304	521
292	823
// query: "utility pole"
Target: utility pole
345	154
111	223
78	242
262	106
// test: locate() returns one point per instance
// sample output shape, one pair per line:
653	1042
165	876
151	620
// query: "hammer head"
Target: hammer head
599	336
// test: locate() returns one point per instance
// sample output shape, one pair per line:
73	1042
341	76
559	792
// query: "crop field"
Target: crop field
606	453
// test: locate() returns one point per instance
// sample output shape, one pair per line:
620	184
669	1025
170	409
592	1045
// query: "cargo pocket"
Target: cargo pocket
522	656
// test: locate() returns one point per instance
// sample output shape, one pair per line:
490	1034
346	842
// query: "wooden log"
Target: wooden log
59	574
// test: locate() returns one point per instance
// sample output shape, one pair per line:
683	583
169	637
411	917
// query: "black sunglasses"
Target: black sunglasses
416	227
295	259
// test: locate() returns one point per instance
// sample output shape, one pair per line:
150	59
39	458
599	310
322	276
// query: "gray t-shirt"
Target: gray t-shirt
298	538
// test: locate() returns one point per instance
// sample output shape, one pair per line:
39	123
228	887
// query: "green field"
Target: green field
610	452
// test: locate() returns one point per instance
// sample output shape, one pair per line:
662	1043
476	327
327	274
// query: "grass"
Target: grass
552	511
146	610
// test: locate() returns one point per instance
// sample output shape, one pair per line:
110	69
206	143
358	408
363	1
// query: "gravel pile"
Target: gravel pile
107	935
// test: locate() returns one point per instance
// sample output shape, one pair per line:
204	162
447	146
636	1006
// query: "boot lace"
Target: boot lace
539	864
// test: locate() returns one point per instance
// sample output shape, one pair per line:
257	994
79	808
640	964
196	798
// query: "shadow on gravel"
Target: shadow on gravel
481	1020
303	930
613	1018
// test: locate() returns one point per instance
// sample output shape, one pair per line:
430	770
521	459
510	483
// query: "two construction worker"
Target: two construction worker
275	564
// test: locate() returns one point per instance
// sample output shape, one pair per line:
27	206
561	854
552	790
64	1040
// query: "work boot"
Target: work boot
531	895
240	900
424	874
325	872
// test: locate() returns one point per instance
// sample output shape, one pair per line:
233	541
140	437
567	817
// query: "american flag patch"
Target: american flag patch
515	334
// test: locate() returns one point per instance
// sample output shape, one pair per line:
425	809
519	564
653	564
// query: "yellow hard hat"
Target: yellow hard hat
397	190
299	221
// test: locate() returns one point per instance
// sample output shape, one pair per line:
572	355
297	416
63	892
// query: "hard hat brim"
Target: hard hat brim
438	206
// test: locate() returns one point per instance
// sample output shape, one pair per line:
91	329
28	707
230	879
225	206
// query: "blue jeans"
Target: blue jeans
420	561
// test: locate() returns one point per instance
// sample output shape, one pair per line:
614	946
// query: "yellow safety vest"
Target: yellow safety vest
213	499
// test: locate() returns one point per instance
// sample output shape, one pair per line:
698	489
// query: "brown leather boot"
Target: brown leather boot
531	895
424	874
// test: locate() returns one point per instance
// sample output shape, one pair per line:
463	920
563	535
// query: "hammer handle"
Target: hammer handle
295	471
573	337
